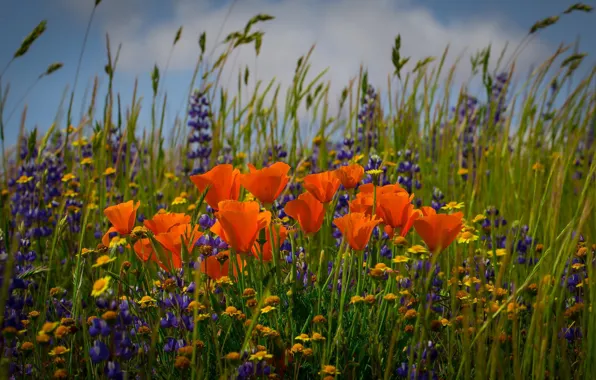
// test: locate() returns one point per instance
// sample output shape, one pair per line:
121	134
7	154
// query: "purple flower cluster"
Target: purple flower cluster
199	138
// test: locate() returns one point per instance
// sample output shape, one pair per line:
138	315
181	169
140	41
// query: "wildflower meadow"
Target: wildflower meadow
264	236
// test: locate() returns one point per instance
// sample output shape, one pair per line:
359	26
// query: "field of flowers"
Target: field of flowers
412	239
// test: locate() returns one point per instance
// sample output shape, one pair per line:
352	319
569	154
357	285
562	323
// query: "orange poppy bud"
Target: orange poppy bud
266	184
213	266
173	239
144	250
308	211
122	216
396	211
161	223
356	229
223	182
350	175
322	185
279	236
239	223
439	230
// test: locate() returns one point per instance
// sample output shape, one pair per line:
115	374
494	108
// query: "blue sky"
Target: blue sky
347	33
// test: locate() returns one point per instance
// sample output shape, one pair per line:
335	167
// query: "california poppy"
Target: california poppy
239	223
396	211
223	182
161	223
144	250
122	217
279	236
172	241
368	189
322	185
439	230
266	184
218	266
350	175
308	211
362	204
356	228
427	211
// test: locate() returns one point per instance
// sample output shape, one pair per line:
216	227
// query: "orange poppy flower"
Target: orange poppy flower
223	182
308	211
122	217
218	266
356	229
427	211
350	175
172	241
266	184
439	230
362	204
279	236
144	251
161	223
396	211
368	189
239	223
322	185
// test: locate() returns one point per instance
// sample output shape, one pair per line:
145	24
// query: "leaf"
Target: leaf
233	36
420	64
155	79
398	62
52	68
258	43
32	272
220	60
299	63
261	17
32	142
581	7
246	74
344	96
202	41
573	58
544	24
364	86
178	35
30	39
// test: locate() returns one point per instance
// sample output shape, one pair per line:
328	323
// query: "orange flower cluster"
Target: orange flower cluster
248	230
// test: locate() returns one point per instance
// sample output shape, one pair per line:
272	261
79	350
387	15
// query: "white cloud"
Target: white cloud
347	34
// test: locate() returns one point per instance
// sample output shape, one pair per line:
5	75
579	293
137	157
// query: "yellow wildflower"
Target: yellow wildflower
109	171
260	355
24	179
303	338
453	206
467	237
267	309
417	249
103	260
100	286
478	218
58	350
68	177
